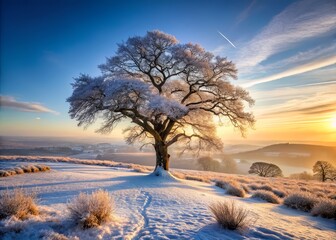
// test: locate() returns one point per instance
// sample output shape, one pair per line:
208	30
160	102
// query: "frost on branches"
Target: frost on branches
170	92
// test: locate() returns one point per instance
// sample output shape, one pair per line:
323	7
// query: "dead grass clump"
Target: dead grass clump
332	196
196	178
325	208
34	168
301	200
267	196
4	173
221	184
235	190
253	186
24	169
91	210
18	170
265	187
229	216
140	169
17	203
279	193
42	167
232	188
178	175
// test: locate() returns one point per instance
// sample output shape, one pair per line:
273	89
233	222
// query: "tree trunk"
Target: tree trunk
162	156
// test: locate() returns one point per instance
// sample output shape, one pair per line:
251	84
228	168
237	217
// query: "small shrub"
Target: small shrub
4	173
266	195
18	170
260	187
279	193
305	189
325	208
332	196
300	200
196	178
41	168
232	188
221	184
178	175
34	168
265	187
26	169
229	216
91	210
23	169
17	203
253	186
235	190
140	169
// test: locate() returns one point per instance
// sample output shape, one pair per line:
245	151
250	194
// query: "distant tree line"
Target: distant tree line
226	164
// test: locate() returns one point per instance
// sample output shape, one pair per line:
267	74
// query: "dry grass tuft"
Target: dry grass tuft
196	178
279	193
235	190
301	200
91	210
325	208
17	203
18	170
232	188
4	173
267	196
24	169
229	216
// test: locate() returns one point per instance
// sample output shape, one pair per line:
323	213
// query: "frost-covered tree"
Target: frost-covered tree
170	92
324	171
263	169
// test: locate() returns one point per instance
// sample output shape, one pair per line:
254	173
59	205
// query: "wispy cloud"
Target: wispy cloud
315	109
298	95
11	102
300	21
294	71
218	50
299	58
245	13
318	83
309	105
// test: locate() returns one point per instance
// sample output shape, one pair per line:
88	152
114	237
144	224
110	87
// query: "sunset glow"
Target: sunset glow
333	122
284	53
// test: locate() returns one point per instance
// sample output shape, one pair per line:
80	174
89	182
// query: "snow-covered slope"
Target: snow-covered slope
150	207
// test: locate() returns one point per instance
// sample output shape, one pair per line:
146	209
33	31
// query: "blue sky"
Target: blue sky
285	54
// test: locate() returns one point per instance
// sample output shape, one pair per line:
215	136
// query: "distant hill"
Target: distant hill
236	148
42	151
298	155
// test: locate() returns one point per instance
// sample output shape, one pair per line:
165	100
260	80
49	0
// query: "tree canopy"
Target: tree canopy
168	90
263	169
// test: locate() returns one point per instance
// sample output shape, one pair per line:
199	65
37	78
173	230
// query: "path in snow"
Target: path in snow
149	207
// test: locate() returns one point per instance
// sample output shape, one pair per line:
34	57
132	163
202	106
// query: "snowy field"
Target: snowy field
150	207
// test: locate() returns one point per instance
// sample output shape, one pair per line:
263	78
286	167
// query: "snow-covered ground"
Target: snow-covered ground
150	207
